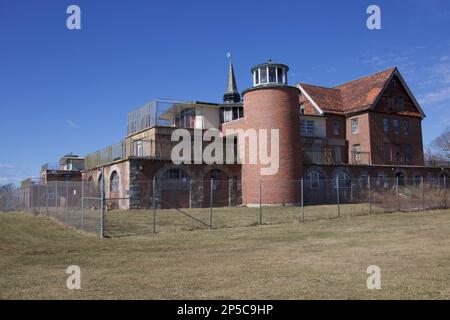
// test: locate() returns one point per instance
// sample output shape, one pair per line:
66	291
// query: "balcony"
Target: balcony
145	149
50	167
151	149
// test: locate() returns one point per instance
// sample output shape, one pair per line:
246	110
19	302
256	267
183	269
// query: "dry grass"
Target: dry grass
324	259
140	222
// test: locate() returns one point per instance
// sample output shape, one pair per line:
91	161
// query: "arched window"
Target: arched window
344	180
381	179
417	179
313	178
175	174
114	182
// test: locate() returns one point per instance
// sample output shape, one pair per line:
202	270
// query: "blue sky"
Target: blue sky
67	91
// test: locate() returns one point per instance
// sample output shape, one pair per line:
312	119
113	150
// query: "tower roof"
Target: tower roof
231	94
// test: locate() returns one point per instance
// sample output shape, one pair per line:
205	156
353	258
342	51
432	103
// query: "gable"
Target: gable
396	98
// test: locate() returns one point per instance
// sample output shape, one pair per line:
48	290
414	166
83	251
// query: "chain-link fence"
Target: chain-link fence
168	205
75	203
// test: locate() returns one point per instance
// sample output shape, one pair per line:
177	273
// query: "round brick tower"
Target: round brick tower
272	104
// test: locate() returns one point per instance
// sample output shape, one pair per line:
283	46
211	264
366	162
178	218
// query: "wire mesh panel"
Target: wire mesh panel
177	203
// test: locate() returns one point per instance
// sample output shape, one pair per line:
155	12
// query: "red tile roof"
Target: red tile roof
351	96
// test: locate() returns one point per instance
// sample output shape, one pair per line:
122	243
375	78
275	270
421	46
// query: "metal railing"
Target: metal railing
50	166
152	149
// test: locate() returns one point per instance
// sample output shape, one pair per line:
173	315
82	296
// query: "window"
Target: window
355	126
272	74
394	83
336	127
387	152
227	114
307	127
386	125
405	127
408	153
114	182
175	174
139	148
314	178
344	180
396	126
417	179
381	179
400	103
280	75
302	108
257	76
398	152
337	154
391	103
357	152
263	74
364	179
235	113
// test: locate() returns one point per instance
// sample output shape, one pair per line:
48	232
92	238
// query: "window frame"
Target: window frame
355	128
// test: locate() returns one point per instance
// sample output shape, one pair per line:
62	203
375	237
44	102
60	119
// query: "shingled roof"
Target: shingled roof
357	95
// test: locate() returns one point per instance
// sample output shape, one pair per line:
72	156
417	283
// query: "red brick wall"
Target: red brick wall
274	108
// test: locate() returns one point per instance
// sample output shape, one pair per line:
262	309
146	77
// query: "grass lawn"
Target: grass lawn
326	259
139	222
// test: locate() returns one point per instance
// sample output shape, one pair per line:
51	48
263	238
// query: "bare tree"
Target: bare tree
439	148
5	193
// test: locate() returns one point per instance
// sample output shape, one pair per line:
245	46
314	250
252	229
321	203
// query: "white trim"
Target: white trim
310	99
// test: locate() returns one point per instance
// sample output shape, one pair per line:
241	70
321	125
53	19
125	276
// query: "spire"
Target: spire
231	94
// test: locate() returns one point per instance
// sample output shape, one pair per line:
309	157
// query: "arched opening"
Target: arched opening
175	189
343	184
314	188
400	176
114	182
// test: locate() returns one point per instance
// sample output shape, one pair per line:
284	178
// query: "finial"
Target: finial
229	56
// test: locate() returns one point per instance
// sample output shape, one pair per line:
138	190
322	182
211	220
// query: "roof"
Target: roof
353	96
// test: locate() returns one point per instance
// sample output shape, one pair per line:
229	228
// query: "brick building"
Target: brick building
366	127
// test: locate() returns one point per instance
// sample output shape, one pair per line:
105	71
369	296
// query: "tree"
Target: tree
439	148
5	194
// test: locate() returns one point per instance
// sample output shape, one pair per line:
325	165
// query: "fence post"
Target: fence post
230	185
370	194
211	204
260	202
82	204
423	193
398	196
190	193
445	191
39	197
154	206
67	201
102	203
46	197
337	196
302	219
56	200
